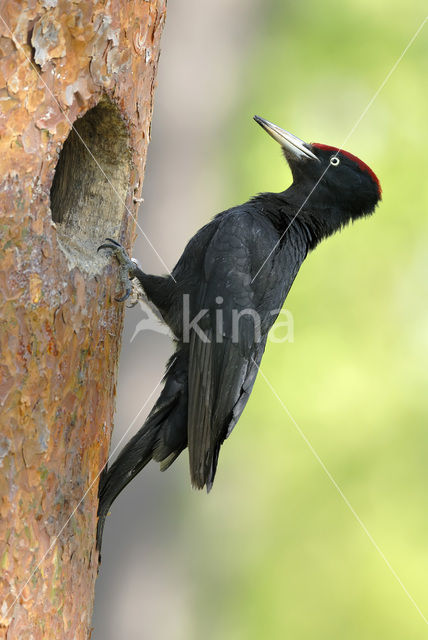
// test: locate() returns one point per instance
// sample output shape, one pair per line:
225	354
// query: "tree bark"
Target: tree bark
63	190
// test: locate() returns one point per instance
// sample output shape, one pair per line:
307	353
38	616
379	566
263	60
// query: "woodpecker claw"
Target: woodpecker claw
114	242
105	246
133	304
126	265
125	296
113	245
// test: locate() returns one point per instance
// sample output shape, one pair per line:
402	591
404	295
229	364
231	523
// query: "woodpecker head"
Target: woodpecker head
328	177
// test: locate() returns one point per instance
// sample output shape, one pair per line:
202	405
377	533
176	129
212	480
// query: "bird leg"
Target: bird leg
127	266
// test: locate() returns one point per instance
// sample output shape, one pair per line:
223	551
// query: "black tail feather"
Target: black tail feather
162	437
134	457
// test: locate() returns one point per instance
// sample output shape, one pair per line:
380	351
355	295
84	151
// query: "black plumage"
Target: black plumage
238	268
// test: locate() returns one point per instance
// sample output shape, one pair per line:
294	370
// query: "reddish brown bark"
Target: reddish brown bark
60	327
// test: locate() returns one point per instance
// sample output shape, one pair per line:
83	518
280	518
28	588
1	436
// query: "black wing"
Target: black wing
223	364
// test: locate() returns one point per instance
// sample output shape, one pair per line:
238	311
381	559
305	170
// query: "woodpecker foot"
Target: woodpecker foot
126	265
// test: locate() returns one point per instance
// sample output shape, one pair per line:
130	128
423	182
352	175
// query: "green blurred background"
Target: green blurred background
274	551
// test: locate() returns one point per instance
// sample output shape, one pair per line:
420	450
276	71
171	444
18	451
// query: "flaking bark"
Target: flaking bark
92	64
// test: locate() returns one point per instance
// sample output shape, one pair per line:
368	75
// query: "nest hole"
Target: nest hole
90	185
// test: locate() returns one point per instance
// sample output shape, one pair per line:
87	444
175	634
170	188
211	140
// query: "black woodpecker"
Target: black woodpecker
242	263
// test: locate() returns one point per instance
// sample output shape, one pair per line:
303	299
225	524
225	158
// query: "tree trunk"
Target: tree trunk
91	64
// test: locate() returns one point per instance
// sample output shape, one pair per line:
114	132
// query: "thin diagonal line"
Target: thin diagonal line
375	95
342	495
84	495
391	71
21	48
278	242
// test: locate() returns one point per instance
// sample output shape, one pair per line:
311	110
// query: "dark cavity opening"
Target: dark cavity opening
90	185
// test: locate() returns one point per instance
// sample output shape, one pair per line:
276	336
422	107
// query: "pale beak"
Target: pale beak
294	147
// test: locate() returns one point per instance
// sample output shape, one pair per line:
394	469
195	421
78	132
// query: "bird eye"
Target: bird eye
334	160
